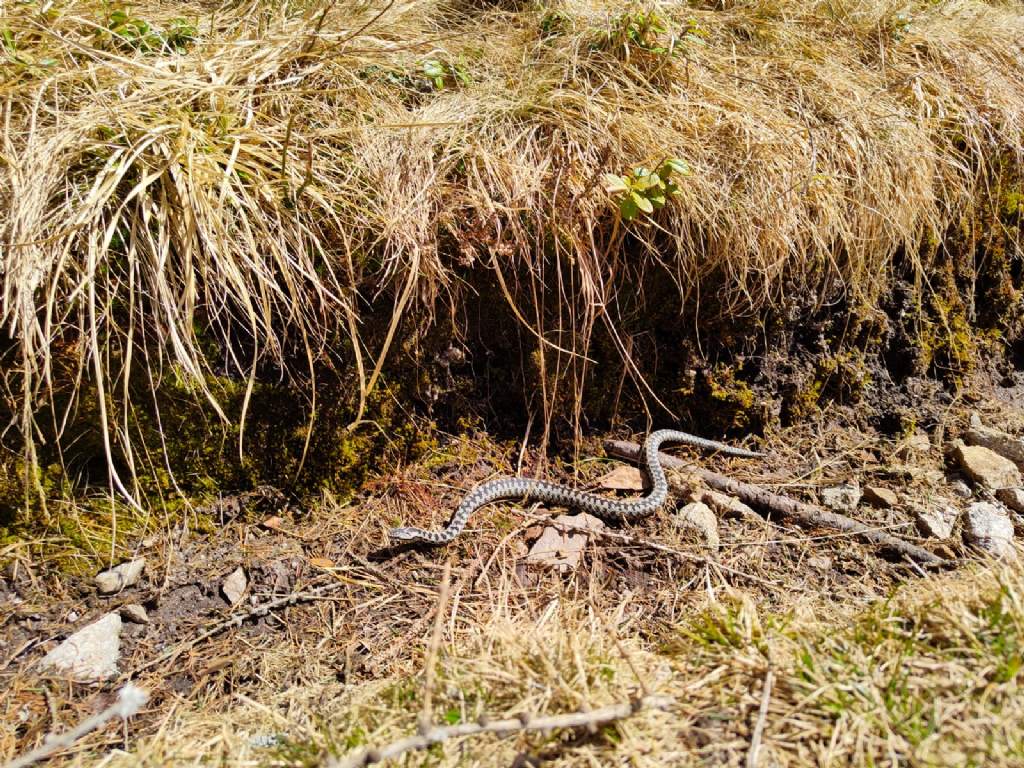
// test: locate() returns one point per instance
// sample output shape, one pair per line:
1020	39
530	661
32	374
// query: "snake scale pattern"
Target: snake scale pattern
524	488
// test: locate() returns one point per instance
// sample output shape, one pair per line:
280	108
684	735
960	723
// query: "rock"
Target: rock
917	443
698	516
622	478
841	498
120	576
961	489
880	497
820	563
233	587
1013	498
727	506
1006	445
986	467
134	613
90	654
988	527
563	548
936	523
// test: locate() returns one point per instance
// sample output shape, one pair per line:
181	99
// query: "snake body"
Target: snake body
563	496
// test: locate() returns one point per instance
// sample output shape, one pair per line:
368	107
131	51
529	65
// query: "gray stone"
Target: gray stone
936	523
841	498
234	586
120	576
1006	445
986	467
880	497
697	516
134	613
988	527
961	489
90	654
1013	498
917	443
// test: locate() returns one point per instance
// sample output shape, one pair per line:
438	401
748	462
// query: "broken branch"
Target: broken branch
805	515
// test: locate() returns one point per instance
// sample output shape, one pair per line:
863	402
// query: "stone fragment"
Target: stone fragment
134	613
1006	445
917	443
961	489
936	523
90	654
562	548
1013	498
877	496
698	516
986	467
233	587
120	576
622	478
841	498
988	527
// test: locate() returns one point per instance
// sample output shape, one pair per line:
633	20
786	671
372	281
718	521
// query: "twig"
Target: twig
509	725
802	514
130	700
435	644
236	621
762	716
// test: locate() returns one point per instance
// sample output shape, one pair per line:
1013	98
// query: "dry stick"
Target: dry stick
762	717
435	644
236	621
130	700
802	514
510	725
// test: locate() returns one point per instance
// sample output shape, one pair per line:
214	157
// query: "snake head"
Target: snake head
404	534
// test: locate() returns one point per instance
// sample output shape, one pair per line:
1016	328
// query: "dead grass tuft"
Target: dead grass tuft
189	190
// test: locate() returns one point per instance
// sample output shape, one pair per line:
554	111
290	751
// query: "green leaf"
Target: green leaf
647	181
453	717
628	208
674	165
657	201
642	202
615	184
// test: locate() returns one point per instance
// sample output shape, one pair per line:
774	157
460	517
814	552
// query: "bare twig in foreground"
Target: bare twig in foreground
130	700
510	725
802	514
762	717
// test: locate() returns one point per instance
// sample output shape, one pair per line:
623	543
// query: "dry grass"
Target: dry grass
238	186
870	663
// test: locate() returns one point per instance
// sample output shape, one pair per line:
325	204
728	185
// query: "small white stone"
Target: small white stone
841	498
936	523
988	527
91	653
961	489
234	586
120	576
134	613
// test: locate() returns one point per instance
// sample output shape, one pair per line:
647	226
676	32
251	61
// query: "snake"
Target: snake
529	489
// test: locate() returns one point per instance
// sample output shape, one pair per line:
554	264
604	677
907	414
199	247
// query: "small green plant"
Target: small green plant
899	26
643	190
642	30
126	32
554	23
443	74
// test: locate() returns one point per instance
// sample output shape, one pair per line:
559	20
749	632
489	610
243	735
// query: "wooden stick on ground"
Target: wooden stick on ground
805	515
509	725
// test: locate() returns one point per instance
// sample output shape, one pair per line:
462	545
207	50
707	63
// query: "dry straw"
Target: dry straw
260	174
